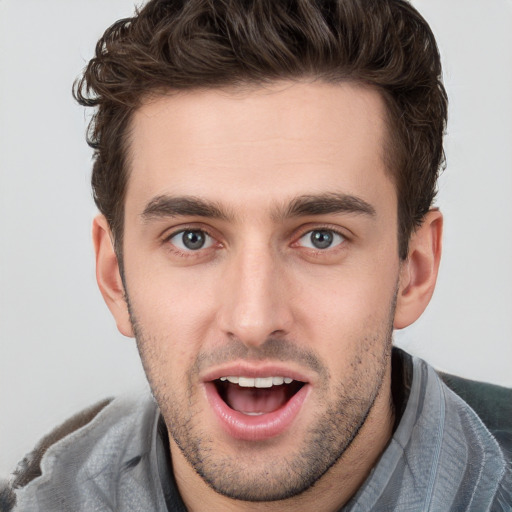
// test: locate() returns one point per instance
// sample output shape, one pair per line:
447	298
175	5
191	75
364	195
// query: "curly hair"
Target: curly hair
190	44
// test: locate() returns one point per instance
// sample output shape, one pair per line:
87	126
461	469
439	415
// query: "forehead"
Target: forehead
268	143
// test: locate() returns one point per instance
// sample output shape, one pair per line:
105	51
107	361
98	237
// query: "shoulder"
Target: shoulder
490	445
453	442
29	467
492	403
84	444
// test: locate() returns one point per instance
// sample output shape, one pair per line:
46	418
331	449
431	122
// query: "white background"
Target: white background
59	348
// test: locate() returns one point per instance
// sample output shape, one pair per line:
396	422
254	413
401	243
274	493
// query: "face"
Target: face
261	269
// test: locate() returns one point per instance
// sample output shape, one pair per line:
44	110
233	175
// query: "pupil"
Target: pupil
321	239
193	239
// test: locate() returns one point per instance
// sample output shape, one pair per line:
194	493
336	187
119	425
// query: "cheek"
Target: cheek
169	296
173	313
348	308
349	295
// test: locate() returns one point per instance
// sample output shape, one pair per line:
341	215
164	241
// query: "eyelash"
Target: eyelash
190	253
327	229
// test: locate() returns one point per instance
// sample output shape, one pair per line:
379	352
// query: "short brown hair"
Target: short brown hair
186	44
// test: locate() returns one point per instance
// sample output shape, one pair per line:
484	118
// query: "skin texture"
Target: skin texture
256	172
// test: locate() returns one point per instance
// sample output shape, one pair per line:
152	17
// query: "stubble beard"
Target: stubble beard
323	444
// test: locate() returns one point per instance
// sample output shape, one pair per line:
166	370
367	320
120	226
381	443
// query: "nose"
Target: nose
254	304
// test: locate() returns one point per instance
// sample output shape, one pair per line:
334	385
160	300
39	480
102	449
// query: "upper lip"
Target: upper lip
245	369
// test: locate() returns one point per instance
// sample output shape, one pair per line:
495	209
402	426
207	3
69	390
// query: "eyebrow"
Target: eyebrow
320	204
180	206
323	204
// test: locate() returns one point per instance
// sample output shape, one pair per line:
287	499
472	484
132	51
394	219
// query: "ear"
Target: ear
108	275
418	274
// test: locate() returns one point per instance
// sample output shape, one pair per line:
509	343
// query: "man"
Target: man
265	173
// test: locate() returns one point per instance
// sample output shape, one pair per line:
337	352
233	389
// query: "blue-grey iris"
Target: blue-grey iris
322	239
193	240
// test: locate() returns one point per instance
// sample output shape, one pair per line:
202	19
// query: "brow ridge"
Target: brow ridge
328	203
178	206
310	204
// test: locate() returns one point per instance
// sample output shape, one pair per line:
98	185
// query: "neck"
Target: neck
329	494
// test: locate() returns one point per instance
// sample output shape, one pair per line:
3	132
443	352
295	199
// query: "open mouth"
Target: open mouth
256	396
256	405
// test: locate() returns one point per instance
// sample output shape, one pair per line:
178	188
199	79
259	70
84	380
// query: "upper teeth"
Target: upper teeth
257	382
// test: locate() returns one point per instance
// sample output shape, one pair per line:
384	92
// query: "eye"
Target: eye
191	240
321	239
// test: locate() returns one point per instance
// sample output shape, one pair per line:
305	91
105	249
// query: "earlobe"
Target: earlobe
418	274
108	275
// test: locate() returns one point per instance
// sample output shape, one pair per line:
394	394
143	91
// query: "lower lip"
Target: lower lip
256	428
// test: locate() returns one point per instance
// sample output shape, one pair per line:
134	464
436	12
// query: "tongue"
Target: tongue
255	400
